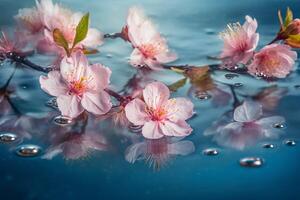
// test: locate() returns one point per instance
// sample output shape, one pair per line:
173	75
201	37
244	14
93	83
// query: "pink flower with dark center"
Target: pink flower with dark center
79	86
150	48
275	60
239	43
159	115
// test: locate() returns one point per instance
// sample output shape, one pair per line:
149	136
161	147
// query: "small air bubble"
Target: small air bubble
62	120
210	152
28	150
251	162
8	137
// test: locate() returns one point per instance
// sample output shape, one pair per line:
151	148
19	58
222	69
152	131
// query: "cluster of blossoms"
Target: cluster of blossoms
83	87
240	42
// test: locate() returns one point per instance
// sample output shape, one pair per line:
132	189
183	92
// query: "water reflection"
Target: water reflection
157	153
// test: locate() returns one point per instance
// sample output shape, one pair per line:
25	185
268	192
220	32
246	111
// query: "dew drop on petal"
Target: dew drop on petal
290	143
268	146
28	150
8	137
62	120
210	152
202	95
231	76
251	162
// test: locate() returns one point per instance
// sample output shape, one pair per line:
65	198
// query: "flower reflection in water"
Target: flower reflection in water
158	152
247	127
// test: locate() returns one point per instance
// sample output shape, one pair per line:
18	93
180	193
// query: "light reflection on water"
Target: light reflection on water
93	159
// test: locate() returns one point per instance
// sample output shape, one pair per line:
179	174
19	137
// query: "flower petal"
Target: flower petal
182	148
135	152
96	103
177	129
151	130
156	94
100	76
136	112
179	109
93	39
53	84
69	105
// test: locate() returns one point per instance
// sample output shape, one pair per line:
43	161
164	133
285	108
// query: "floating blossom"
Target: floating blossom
247	128
46	17
150	48
159	115
275	60
239	43
78	86
158	152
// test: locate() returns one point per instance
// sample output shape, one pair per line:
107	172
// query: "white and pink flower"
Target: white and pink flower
240	43
79	86
159	115
275	60
150	48
46	17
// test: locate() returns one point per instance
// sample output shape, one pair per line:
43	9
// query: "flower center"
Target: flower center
78	87
156	114
150	50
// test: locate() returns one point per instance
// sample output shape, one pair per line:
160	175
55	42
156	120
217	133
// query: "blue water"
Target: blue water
192	28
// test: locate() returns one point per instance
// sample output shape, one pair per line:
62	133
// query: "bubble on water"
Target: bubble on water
268	146
210	152
24	87
135	128
52	103
278	125
28	150
297	87
109	55
290	142
8	137
251	162
210	31
202	95
237	85
231	76
62	120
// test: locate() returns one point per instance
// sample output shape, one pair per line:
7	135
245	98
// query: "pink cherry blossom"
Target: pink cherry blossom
78	86
159	115
46	17
275	60
150	48
239	43
158	152
12	44
248	127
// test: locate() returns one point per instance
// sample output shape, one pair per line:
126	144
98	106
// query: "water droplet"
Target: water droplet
108	55
8	137
290	143
202	95
24	87
52	103
237	85
28	150
278	125
268	146
135	128
251	162
62	120
297	87
210	152
209	31
231	76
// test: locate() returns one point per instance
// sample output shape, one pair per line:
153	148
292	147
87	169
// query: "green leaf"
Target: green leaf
60	40
288	17
295	37
82	29
178	84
